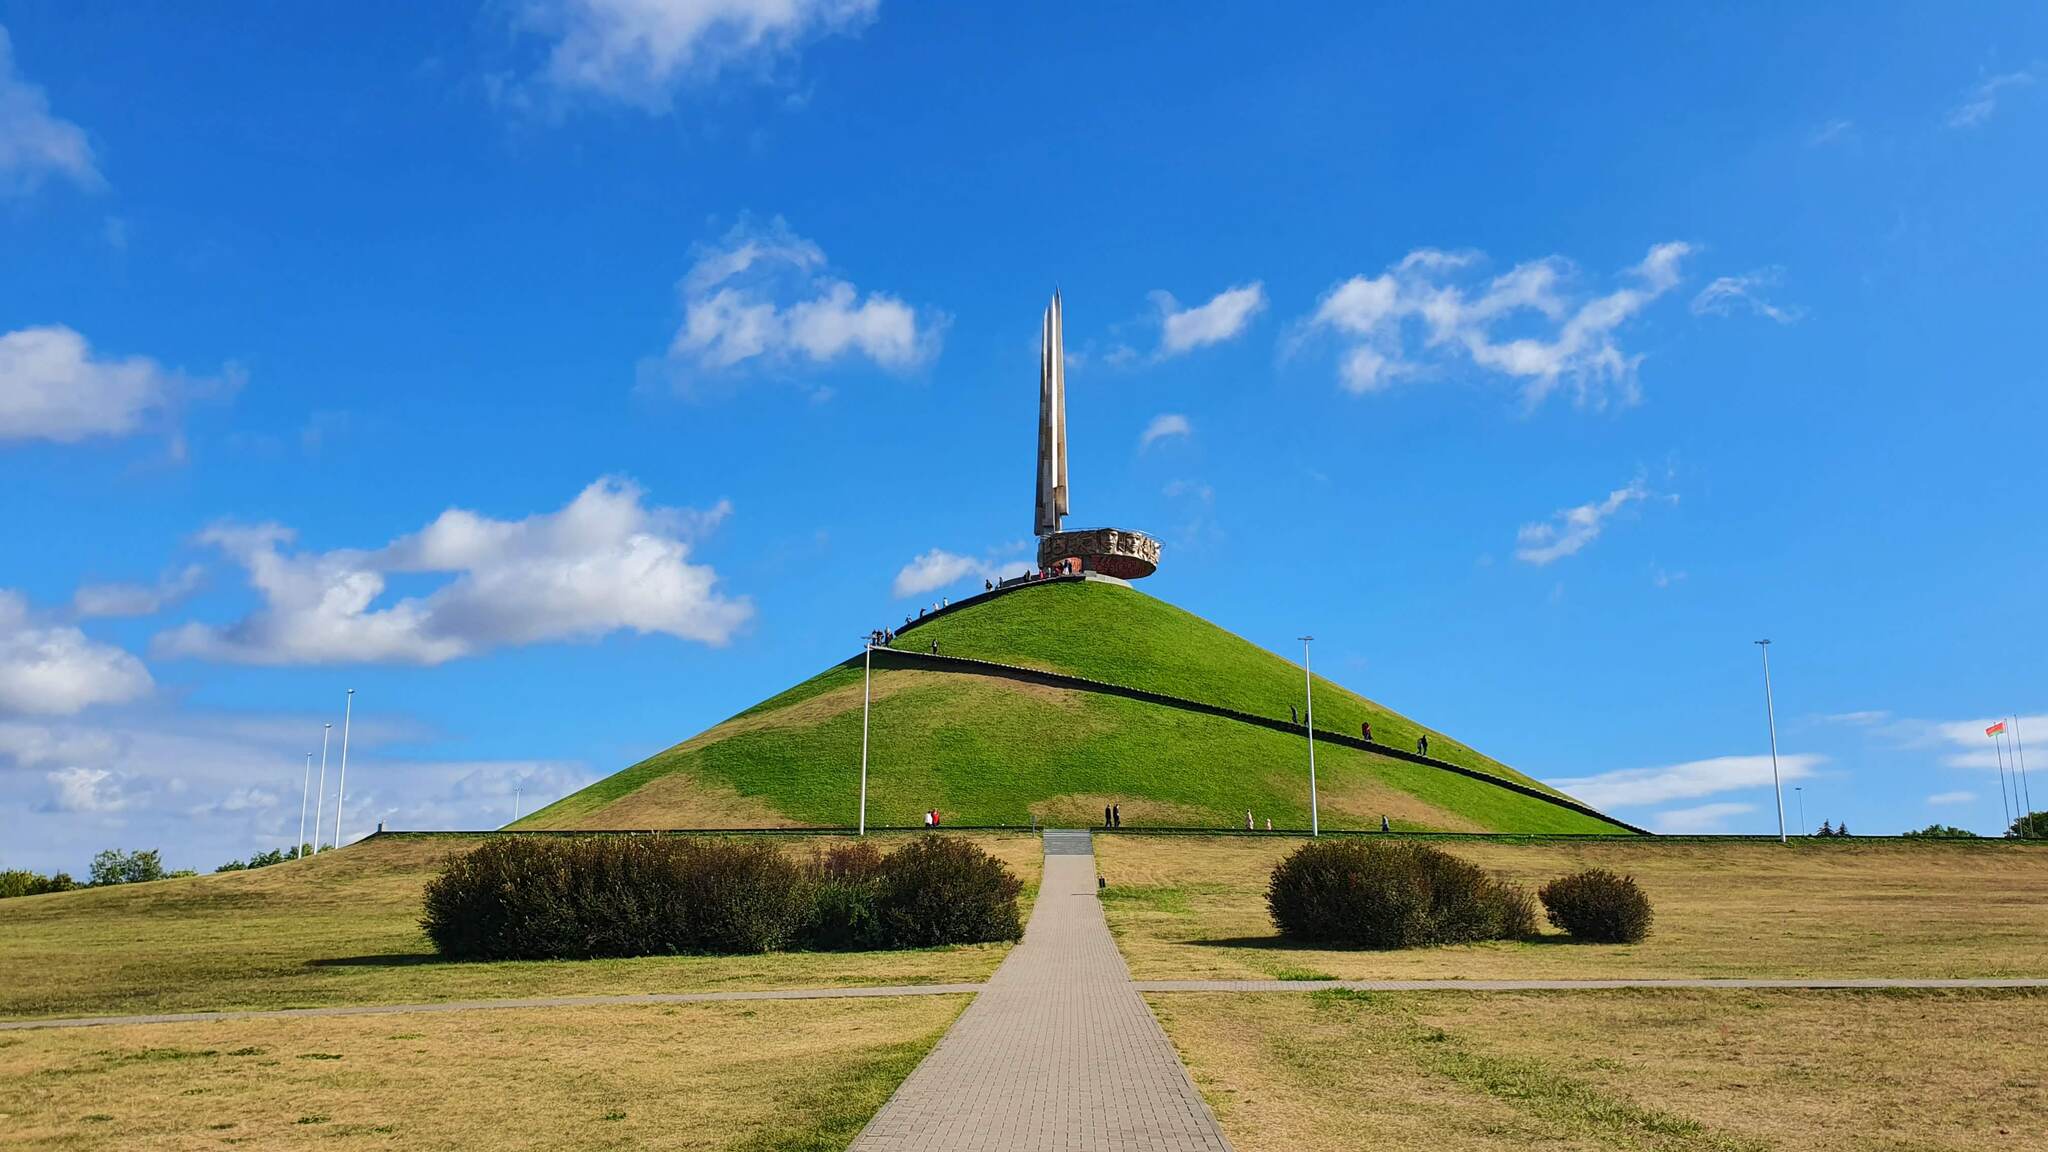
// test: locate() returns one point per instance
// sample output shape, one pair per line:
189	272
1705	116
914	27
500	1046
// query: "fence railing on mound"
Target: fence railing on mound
1023	674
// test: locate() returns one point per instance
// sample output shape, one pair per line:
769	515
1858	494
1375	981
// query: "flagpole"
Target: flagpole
341	789
2020	746
1771	714
320	797
2002	805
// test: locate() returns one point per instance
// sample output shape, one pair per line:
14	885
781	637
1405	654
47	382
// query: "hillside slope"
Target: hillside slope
990	750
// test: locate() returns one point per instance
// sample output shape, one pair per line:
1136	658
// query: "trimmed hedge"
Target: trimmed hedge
611	896
1369	894
1599	906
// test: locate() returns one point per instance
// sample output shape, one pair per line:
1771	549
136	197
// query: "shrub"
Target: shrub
944	890
1940	832
1377	895
844	904
518	898
2032	826
1598	905
20	882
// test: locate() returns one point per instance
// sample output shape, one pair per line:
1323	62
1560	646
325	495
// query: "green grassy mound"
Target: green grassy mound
989	750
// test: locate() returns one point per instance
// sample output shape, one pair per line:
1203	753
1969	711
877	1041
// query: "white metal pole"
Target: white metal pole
1799	794
867	680
320	797
1771	713
305	791
1315	827
2019	748
2000	746
341	788
515	803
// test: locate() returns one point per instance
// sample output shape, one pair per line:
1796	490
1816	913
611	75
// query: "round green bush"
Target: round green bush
1599	906
1370	894
944	890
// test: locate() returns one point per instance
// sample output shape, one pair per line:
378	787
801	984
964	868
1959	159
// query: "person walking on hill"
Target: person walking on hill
1365	731
1116	815
1422	745
935	647
1293	714
1248	820
1105	816
1384	827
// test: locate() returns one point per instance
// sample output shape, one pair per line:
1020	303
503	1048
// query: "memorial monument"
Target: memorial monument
1118	552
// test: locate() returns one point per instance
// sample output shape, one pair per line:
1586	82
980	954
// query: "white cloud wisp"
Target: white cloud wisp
935	569
33	143
763	297
1571	529
1639	787
1728	295
603	563
1982	100
1521	324
52	387
1164	426
1224	317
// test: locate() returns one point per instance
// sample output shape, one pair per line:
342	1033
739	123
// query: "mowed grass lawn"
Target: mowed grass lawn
343	928
1668	1071
1184	907
756	1076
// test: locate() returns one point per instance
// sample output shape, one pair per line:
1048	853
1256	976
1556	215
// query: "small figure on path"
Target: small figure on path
1105	816
1269	823
1422	745
1293	714
1248	820
1365	731
1116	815
1384	827
927	817
988	586
935	649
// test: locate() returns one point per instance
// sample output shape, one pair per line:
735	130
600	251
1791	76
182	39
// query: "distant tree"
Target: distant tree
114	866
2032	826
1842	829
1941	832
21	882
1826	829
259	860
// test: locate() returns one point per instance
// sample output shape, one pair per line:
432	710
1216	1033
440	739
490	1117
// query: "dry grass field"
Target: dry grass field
1667	1071
1194	908
748	1077
342	928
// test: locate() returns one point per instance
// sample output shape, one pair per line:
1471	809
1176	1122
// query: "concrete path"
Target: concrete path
1059	1052
482	1005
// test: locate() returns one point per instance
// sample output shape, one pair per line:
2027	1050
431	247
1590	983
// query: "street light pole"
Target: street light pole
1771	713
320	797
867	680
1799	794
1309	684
341	789
2019	747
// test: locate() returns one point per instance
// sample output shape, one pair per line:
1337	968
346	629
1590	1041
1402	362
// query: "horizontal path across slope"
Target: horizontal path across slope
972	666
1159	986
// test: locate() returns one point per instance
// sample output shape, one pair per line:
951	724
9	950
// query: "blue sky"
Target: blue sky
566	375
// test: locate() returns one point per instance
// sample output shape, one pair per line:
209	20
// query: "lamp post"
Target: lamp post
1771	714
867	680
341	789
1799	794
320	797
1309	684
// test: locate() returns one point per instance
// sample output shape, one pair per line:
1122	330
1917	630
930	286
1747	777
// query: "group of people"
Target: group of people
931	818
1112	816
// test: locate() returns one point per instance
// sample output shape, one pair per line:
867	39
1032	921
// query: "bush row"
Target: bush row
1370	894
21	882
608	896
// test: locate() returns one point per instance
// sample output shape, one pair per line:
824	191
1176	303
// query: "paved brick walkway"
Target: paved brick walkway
1058	1053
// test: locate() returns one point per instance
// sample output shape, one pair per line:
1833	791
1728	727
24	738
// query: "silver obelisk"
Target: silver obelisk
1052	423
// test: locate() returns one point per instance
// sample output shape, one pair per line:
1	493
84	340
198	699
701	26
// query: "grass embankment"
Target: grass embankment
747	1077
343	928
987	750
1667	1071
1194	908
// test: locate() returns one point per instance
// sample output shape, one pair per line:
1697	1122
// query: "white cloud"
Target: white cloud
933	570
33	143
603	563
1637	787
1571	529
58	670
136	599
1969	746
1982	99
1165	425
52	387
207	787
1947	798
1224	317
1729	294
1702	819
1521	324
763	297
1828	133
641	51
